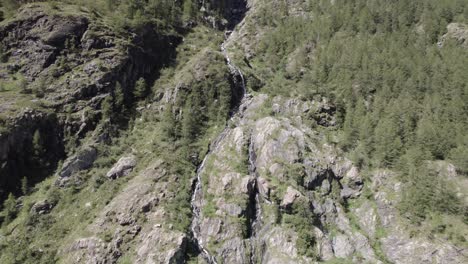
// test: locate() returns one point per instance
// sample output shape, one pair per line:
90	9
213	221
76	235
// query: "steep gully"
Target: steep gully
253	208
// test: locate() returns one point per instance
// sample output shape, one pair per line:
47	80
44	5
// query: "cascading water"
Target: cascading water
196	208
197	192
235	71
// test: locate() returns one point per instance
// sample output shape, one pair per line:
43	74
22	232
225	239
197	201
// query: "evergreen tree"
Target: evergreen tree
168	122
106	107
118	96
188	10
9	209
141	88
3	57
24	186
387	142
37	143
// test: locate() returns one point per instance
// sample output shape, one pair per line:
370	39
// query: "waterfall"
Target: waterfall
197	191
232	67
197	194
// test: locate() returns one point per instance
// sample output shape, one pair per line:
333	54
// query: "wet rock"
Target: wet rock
248	185
123	167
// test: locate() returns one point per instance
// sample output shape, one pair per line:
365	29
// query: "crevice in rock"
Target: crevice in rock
196	245
235	12
253	210
231	11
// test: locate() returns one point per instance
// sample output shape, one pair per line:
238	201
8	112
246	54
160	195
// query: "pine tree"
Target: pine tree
118	96
140	88
168	123
106	107
188	131
188	10
9	209
24	186
37	143
387	142
3	57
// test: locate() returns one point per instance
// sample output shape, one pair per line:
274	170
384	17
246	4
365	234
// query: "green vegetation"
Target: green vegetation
400	97
141	89
301	219
396	88
134	14
9	209
3	57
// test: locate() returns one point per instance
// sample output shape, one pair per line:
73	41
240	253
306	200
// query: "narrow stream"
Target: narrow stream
197	196
198	189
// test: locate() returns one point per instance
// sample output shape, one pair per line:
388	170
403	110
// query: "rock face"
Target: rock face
122	168
289	198
280	152
42	207
457	32
398	246
271	187
80	161
18	151
136	216
70	60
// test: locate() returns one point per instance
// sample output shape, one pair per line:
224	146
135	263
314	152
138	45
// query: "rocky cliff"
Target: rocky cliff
208	167
65	60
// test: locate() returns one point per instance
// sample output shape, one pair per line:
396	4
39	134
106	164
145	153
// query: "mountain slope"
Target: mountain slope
234	132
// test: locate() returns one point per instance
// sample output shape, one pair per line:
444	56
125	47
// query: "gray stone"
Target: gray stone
342	246
367	218
82	160
43	207
123	167
347	192
289	197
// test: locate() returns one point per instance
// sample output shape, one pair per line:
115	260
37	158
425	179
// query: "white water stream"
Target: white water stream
197	193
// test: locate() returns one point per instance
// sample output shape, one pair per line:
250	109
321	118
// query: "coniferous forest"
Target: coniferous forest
234	131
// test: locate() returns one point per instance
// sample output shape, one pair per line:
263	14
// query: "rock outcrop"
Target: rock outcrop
122	168
70	60
457	32
270	187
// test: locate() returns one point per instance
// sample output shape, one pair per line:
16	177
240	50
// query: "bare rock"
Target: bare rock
367	218
42	207
342	246
456	31
123	167
82	160
263	188
290	197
